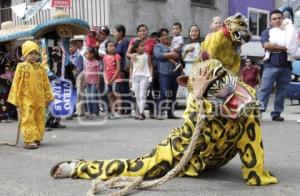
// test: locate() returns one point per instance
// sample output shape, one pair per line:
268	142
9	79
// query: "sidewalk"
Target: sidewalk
291	112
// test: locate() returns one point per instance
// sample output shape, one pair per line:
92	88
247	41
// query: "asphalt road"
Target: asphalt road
25	173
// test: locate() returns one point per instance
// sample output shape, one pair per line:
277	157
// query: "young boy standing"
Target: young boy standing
31	93
177	43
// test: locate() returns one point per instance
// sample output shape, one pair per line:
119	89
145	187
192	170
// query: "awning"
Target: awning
10	32
75	26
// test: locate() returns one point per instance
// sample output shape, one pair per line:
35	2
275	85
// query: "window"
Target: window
258	21
203	3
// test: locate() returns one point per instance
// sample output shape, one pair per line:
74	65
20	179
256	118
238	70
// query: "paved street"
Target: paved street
25	172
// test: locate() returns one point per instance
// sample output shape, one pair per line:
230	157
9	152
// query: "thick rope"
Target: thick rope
18	134
130	183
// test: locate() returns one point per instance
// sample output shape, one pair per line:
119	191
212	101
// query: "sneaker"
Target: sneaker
136	117
177	66
277	118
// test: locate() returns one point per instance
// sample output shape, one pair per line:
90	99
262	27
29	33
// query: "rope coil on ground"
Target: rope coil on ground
127	184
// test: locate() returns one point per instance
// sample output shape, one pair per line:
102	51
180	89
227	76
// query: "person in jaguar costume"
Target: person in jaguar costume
231	127
225	44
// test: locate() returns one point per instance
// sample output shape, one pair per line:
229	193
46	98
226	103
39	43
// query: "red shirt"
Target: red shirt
110	67
249	75
149	44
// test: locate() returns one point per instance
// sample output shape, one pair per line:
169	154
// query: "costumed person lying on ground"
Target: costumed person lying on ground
225	44
286	36
231	127
31	93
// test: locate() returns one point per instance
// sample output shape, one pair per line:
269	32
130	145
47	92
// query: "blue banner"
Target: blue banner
64	103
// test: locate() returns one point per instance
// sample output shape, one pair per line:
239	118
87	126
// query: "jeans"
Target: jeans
168	90
91	91
282	77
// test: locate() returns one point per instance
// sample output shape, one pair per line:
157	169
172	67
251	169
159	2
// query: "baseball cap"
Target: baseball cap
78	38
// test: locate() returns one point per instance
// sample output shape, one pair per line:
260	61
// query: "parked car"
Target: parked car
293	91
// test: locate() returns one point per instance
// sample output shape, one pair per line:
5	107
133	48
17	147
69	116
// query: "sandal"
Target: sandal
31	145
67	168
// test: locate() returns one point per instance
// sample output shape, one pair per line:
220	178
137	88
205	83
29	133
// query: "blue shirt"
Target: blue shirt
276	58
164	65
121	49
77	60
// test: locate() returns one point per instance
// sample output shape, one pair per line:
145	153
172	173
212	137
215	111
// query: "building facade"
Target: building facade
155	13
163	13
257	12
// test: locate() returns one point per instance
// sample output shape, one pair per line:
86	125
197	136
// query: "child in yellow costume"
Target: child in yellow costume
231	127
31	93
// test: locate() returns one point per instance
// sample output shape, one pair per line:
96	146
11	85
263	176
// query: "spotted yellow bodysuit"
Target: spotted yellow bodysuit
31	93
221	139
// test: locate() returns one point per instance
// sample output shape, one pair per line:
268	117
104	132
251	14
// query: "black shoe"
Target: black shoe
173	117
277	118
142	117
57	126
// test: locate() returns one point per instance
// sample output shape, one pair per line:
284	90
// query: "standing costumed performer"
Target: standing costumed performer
225	44
231	127
31	75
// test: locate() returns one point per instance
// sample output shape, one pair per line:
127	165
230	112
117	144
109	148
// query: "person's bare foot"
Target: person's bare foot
31	145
